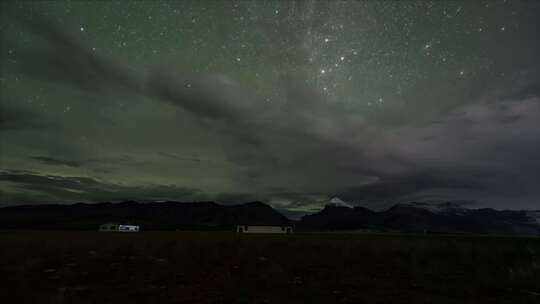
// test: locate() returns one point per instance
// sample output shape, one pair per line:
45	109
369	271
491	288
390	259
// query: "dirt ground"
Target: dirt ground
222	267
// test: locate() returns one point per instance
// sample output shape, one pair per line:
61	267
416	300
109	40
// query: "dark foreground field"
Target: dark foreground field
197	267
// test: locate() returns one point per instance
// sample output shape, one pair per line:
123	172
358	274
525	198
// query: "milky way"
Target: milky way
289	102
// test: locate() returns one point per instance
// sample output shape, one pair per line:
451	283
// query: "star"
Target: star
410	52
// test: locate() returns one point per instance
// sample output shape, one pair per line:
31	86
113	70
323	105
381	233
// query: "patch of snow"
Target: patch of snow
336	201
534	214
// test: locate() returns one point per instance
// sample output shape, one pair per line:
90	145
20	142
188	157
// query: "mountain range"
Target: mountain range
420	218
410	217
150	216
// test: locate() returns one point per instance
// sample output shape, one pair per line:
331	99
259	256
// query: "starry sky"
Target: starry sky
288	102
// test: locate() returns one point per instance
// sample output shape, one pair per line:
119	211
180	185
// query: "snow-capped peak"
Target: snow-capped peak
336	201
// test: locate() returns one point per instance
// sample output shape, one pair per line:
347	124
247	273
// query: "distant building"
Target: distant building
118	228
264	229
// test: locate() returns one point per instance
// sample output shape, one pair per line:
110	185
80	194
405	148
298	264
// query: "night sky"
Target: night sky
287	102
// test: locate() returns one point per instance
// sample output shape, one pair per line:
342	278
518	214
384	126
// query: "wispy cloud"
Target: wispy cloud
489	144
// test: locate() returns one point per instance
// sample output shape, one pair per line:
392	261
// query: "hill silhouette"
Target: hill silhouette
171	215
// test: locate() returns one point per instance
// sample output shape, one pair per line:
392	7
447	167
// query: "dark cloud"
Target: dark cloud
489	146
214	97
53	188
123	160
488	143
17	118
56	162
395	188
66	59
182	157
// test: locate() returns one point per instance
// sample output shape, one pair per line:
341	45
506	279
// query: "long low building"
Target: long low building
118	228
264	229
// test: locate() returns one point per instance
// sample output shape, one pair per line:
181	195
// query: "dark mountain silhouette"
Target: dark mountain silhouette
334	217
162	216
411	217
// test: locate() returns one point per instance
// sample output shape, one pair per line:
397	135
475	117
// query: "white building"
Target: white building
264	229
118	228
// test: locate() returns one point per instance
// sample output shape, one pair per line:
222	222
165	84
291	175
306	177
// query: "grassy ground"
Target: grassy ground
212	267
